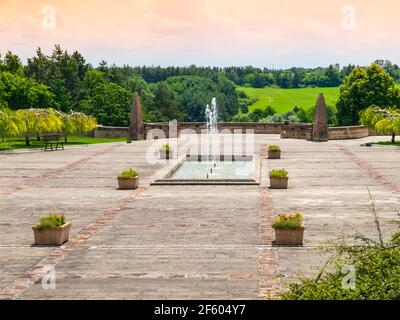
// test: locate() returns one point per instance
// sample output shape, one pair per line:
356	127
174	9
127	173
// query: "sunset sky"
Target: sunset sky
266	33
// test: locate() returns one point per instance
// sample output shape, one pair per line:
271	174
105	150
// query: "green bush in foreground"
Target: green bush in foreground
51	221
288	221
376	265
281	173
127	174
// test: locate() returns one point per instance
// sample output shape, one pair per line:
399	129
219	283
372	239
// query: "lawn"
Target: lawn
19	142
388	143
282	100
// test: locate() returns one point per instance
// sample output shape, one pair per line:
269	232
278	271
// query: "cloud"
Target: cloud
259	32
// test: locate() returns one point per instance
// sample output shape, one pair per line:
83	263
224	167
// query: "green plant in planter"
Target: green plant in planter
166	148
288	221
274	148
51	221
281	173
127	174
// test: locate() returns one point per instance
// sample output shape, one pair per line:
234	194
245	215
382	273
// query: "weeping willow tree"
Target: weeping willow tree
385	121
10	124
31	122
76	122
38	121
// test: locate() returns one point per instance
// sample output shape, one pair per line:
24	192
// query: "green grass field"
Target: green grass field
282	100
19	142
388	143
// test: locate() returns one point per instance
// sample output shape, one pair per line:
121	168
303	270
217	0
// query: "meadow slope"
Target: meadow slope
282	100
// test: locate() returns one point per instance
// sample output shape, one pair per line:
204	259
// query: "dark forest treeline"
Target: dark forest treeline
67	81
331	76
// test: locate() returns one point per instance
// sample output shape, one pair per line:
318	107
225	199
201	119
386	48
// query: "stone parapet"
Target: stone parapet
343	133
111	132
287	131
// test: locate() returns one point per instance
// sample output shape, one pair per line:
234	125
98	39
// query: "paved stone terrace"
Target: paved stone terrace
183	242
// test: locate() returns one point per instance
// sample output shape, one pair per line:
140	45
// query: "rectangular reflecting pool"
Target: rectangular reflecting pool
227	170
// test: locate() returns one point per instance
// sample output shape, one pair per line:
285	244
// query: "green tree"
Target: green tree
61	72
285	79
164	101
241	117
76	122
333	76
138	84
108	102
256	115
192	93
19	92
383	120
259	81
269	111
362	88
13	64
10	124
389	67
37	121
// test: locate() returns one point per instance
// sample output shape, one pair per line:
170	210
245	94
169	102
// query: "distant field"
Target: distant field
282	100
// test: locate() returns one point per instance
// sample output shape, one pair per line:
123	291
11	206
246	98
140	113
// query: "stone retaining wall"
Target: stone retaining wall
111	132
342	133
287	131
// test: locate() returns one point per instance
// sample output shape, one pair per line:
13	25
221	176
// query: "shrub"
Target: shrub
166	148
377	266
274	148
127	174
276	118
281	173
269	111
288	221
51	221
241	117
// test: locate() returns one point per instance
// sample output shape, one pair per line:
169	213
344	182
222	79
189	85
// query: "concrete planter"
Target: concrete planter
52	236
274	154
129	183
293	237
165	155
278	182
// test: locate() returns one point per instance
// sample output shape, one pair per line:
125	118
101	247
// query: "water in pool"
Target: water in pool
209	170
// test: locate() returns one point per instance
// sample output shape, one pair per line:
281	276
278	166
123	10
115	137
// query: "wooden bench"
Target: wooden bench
52	142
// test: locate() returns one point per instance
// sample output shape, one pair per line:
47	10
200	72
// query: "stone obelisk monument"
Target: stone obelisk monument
320	127
136	128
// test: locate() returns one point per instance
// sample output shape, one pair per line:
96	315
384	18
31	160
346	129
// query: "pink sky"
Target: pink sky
279	33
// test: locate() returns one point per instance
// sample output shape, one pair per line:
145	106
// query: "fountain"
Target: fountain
212	131
212	128
210	167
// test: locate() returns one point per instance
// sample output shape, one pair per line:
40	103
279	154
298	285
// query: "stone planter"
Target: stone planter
165	155
278	182
274	154
52	236
128	184
292	237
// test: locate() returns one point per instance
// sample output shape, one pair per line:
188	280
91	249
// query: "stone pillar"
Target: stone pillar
320	126
136	128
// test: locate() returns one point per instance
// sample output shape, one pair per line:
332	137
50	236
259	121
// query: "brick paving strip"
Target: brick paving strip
25	281
171	275
372	172
268	275
34	274
54	173
269	284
